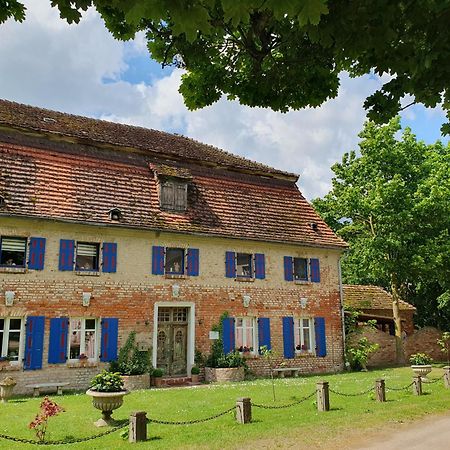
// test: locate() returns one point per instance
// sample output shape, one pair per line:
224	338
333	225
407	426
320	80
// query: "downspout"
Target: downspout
341	296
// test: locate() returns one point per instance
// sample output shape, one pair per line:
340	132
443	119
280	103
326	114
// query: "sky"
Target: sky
81	69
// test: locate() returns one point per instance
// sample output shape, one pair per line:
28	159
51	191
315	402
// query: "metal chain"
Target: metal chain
64	441
285	406
190	422
433	380
400	389
344	394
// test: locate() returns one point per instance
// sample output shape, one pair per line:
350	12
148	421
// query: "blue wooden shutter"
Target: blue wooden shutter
110	336
260	266
66	254
321	340
34	342
158	260
288	268
314	270
193	262
57	344
228	335
230	265
37	253
264	332
288	337
109	257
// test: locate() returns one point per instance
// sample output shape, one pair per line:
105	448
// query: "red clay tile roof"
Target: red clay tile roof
370	297
59	180
152	141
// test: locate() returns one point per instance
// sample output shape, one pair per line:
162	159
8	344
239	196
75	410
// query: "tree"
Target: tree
391	204
286	54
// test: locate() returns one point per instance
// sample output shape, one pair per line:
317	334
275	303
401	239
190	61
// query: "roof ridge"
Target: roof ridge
253	166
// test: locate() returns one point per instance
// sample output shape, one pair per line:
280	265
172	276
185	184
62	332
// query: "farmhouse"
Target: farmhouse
107	229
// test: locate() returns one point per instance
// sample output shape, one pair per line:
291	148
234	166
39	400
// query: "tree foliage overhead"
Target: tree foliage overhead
391	203
286	54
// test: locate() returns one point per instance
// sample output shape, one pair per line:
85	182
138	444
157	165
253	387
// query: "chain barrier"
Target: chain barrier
190	422
64	441
344	394
400	389
285	406
432	380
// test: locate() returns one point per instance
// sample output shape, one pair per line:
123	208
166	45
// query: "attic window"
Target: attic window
314	226
115	214
49	120
173	195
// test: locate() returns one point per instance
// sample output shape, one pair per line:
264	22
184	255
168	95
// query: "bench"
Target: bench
281	371
37	386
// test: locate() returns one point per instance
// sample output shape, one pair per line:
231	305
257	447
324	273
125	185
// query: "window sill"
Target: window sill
13	270
10	367
302	282
79	365
304	354
87	273
244	279
172	276
249	355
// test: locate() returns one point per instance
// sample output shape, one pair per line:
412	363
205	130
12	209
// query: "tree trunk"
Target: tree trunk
400	351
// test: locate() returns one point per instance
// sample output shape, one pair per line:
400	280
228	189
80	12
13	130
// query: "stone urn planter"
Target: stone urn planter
106	402
422	370
6	388
222	375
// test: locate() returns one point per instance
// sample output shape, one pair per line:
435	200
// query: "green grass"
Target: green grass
348	415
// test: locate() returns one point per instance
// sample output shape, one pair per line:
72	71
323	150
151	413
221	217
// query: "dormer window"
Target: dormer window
173	195
115	214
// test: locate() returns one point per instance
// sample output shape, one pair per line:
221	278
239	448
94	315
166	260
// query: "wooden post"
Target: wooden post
417	385
447	377
380	390
138	427
323	396
243	410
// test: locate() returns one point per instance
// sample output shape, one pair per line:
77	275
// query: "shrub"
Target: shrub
195	370
420	359
107	382
131	360
232	359
358	354
157	373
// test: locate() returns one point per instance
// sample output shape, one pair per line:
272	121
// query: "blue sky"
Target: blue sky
82	70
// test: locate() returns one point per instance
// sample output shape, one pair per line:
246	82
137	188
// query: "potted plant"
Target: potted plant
133	364
6	388
4	362
229	367
83	360
107	394
157	375
421	364
195	371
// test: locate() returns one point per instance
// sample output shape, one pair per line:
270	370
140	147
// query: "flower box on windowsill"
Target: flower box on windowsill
302	282
87	273
81	364
174	276
303	354
13	269
245	279
7	366
249	355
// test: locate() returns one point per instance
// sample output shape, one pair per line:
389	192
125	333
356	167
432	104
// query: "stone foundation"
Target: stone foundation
135	382
222	375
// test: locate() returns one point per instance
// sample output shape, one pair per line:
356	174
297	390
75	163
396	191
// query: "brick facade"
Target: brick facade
132	293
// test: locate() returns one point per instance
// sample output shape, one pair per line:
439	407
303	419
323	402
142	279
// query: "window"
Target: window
304	335
173	196
174	261
244	265
87	256
301	269
11	335
83	338
13	251
245	336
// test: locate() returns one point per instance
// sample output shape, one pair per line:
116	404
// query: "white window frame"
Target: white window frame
308	269
83	337
99	256
252	265
299	335
246	321
184	262
27	245
6	331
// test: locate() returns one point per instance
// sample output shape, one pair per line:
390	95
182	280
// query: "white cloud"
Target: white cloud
47	63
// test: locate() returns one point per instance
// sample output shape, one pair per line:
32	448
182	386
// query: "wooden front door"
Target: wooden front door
172	340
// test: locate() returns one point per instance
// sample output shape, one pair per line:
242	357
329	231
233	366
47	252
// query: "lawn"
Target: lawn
349	416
